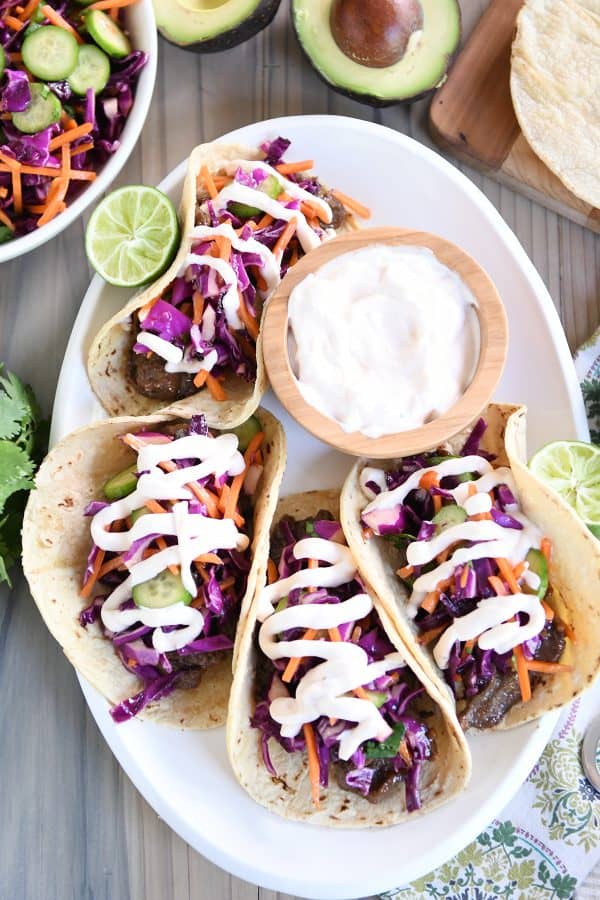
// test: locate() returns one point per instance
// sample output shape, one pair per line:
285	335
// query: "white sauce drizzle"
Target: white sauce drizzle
322	690
489	541
290	187
271	270
196	534
162	348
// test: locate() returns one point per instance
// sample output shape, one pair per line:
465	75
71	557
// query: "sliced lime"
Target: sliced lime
572	469
132	236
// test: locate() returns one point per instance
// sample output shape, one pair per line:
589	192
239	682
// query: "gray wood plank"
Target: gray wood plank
73	826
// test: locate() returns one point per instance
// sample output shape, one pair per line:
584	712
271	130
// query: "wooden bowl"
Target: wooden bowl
493	327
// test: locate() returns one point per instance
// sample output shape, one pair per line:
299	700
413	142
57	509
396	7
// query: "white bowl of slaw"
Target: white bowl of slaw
142	31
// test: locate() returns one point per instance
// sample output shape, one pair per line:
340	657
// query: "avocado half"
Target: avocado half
207	26
420	70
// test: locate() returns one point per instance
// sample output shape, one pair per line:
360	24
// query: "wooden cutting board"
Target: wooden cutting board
472	117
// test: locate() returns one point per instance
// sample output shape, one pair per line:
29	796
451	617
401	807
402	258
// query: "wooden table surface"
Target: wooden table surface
73	826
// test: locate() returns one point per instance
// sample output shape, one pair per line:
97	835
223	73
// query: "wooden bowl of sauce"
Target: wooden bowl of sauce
412	325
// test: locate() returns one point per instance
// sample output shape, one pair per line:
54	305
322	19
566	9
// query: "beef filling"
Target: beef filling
487	708
338	210
149	376
384	780
192	665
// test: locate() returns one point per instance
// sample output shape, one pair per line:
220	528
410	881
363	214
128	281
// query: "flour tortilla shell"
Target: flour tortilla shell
289	794
574	576
56	542
555	87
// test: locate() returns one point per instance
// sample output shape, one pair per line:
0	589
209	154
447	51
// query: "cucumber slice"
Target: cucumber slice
33	26
135	515
270	186
44	109
107	33
37	16
538	565
5	234
50	53
448	516
246	431
92	70
164	589
121	485
2	60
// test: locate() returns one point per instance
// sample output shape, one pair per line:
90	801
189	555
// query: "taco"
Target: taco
191	342
142	545
488	576
330	720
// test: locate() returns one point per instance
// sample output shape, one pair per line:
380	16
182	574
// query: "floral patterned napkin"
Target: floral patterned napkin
547	839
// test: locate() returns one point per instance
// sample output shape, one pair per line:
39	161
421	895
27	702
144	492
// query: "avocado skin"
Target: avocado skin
369	99
262	16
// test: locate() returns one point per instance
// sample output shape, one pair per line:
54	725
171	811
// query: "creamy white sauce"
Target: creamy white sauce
323	691
196	534
193	365
383	339
162	348
488	539
290	187
270	270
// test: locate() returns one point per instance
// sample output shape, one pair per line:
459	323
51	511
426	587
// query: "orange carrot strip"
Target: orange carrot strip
538	665
508	575
233	496
54	201
216	391
111	4
250	322
284	238
87	588
363	211
464	576
518	570
110	566
292	167
430	635
224	245
266	220
208	183
437	503
314	768
13	164
154	506
428	480
3	193
28	9
548	610
83	148
294	662
405	571
160	542
253	447
546	548
431	601
498	585
471	490
200	378
13	23
56	19
272	573
209	558
68	136
145	309
569	631
524	682
198	301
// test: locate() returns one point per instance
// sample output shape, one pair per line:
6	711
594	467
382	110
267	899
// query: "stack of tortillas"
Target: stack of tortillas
555	86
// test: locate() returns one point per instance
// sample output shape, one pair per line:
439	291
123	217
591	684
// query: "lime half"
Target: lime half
572	469
132	236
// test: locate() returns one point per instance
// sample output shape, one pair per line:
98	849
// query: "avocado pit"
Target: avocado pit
375	33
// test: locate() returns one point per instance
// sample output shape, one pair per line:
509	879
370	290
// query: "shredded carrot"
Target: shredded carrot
250	322
198	301
437	503
56	19
205	496
214	386
430	635
538	665
233	496
266	220
314	769
13	164
294	662
207	558
431	601
13	23
68	137
253	447
272	573
160	542
83	148
569	631
353	205
154	506
28	9
334	634
110	566
548	610
111	4
524	682
65	159
17	192
200	378
224	245
3	193
284	238
405	571
428	480
471	490
54	202
464	576
208	183
508	574
518	570
6	220
292	167
87	587
546	548
498	585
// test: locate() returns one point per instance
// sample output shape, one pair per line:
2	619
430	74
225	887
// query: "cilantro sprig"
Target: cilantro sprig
389	747
22	438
